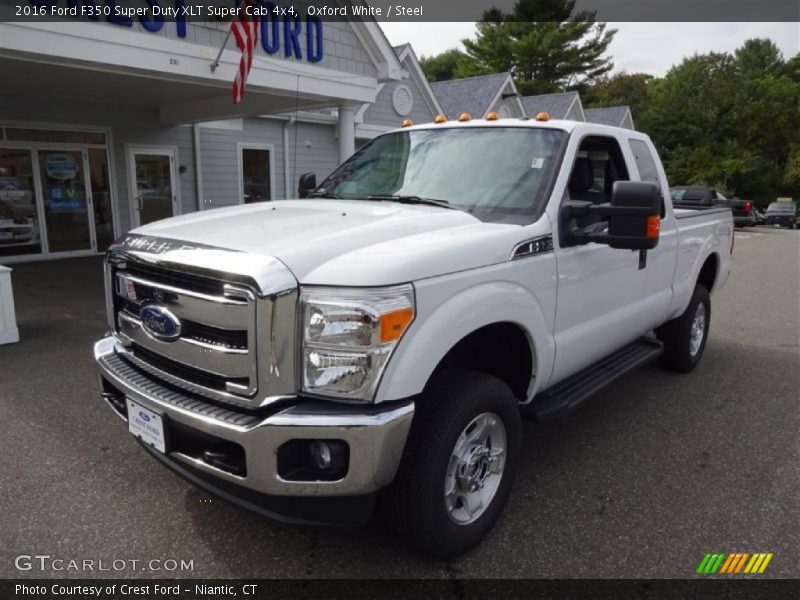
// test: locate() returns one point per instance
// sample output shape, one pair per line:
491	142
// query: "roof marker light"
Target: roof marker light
439	119
492	116
407	123
464	117
542	116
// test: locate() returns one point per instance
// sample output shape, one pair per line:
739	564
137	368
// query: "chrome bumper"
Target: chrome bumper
376	435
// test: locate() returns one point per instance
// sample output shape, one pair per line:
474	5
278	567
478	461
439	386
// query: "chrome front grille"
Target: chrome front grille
233	344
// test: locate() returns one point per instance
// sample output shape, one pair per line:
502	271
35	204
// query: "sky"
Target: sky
638	47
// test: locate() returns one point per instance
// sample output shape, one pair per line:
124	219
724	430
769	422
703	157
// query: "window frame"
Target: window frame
270	148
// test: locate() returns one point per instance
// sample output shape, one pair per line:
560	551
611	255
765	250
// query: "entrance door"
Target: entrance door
153	184
68	213
19	215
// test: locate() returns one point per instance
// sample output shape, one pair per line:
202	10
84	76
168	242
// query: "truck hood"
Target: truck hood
349	242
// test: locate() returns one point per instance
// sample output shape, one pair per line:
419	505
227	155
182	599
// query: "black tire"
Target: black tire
414	505
676	334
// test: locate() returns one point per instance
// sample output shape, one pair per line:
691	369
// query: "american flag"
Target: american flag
245	30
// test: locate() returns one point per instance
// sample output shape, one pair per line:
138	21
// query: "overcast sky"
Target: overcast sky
638	47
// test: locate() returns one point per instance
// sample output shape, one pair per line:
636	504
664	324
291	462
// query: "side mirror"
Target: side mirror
306	185
634	221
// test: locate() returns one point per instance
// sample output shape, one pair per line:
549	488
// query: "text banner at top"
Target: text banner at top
151	13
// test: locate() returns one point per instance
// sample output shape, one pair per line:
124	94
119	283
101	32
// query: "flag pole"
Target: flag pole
215	64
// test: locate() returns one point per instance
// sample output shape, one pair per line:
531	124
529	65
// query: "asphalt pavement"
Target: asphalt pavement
656	471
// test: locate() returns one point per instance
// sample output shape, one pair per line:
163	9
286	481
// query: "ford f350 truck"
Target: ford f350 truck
379	339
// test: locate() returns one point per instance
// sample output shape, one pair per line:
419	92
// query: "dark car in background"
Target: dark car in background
700	196
784	214
744	213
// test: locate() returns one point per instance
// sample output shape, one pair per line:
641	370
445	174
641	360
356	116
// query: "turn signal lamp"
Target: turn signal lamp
393	324
407	123
542	116
653	226
464	117
439	119
492	116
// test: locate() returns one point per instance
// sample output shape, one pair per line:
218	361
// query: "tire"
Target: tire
415	504
680	352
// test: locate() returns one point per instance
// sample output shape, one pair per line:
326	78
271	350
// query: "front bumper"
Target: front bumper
787	221
375	434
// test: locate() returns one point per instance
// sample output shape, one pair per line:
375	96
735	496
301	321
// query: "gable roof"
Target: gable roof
408	58
556	105
612	115
474	95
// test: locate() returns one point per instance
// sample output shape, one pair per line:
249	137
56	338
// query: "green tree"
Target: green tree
442	67
545	44
620	89
731	121
758	56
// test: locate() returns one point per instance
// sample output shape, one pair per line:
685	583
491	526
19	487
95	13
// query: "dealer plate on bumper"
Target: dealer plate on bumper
146	425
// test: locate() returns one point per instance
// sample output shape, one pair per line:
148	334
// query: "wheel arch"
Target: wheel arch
466	319
709	271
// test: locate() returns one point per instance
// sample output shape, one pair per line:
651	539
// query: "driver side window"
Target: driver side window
598	164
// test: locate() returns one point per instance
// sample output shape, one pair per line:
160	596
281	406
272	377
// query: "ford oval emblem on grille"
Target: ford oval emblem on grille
160	323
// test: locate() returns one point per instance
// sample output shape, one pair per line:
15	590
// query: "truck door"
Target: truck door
600	289
661	260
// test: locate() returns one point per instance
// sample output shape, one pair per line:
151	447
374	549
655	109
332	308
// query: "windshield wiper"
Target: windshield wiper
411	200
324	194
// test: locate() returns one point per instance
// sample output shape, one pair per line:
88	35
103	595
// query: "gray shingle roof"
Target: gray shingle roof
473	94
613	115
556	105
398	50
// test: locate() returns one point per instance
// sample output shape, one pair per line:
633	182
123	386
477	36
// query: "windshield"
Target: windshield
484	170
781	207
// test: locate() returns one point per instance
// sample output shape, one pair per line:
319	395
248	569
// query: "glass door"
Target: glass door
67	205
154	185
20	232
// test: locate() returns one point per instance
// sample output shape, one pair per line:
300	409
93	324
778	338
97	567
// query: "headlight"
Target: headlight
349	335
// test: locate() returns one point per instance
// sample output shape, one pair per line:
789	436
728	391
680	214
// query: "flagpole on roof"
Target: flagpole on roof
215	64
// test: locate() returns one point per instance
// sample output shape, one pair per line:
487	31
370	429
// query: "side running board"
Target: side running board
559	400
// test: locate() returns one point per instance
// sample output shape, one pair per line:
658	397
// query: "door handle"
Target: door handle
139	203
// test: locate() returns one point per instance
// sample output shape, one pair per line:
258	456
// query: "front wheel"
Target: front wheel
458	466
685	337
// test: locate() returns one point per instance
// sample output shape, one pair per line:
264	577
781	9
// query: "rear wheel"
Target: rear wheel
684	337
458	466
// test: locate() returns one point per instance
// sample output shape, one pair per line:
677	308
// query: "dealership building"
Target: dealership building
105	126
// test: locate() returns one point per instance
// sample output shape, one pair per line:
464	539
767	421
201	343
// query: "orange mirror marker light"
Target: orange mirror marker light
394	324
439	119
492	116
407	123
464	117
542	116
653	226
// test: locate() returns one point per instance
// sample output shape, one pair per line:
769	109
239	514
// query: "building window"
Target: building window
402	100
256	175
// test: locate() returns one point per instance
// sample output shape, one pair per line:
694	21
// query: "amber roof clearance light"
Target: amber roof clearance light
464	117
407	123
542	116
439	119
492	116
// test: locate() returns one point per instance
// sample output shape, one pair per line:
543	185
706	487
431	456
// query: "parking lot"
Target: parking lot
658	470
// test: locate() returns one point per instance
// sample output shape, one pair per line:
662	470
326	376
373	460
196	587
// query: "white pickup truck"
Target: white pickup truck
380	338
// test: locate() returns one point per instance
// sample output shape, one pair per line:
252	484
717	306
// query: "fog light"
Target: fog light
320	454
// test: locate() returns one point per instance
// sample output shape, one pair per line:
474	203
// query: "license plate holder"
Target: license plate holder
147	426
